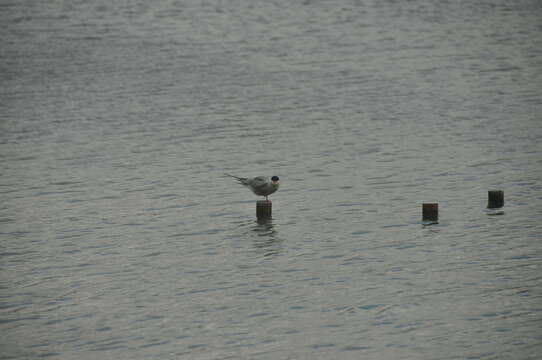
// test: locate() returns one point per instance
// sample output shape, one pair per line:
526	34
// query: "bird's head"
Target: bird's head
275	180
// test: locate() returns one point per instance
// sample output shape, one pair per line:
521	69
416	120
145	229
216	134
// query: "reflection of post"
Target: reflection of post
495	199
430	212
263	209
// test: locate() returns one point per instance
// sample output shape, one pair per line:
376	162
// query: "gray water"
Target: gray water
121	238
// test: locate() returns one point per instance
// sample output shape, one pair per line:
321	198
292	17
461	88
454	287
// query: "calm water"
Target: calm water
121	239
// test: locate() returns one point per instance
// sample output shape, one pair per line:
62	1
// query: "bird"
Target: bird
260	185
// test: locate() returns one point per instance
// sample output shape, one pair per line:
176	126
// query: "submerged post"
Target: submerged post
264	209
495	199
430	212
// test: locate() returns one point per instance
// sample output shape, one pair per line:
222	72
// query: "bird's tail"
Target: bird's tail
240	179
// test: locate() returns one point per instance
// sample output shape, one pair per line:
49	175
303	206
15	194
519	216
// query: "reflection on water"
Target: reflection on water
494	212
431	226
265	236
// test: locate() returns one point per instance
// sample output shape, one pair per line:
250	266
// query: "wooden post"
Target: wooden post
430	212
495	199
264	209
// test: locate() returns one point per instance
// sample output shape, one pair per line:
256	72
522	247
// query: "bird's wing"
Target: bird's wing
258	182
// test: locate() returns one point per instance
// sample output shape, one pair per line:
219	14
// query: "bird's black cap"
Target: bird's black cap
275	178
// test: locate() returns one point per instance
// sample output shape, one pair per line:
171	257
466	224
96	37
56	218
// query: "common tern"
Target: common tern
260	185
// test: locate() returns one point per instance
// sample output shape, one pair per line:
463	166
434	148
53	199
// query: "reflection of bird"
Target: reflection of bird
260	185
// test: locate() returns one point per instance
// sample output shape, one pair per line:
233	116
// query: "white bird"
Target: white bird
260	185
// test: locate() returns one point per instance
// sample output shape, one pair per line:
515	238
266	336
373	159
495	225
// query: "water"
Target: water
121	239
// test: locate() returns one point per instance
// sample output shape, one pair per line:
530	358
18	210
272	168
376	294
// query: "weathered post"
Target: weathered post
430	212
264	209
495	199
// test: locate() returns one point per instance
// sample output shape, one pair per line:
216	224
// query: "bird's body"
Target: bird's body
260	185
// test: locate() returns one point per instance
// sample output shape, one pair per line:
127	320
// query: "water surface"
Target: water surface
121	238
